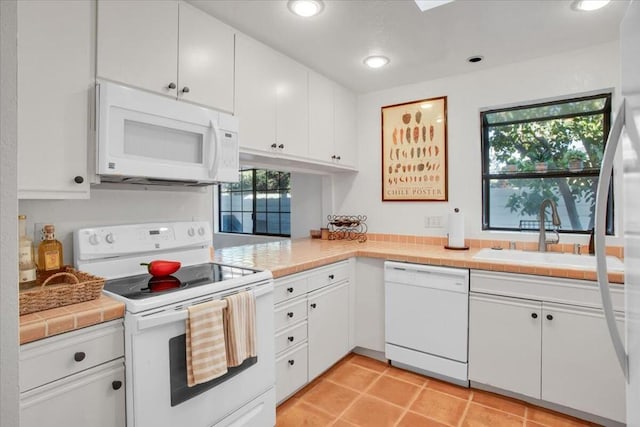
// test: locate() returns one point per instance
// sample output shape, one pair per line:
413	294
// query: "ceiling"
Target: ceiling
421	45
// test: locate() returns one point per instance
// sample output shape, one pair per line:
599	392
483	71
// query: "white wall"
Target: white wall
571	73
113	206
306	204
9	415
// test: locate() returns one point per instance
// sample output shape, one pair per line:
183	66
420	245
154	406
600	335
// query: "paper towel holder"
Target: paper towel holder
456	248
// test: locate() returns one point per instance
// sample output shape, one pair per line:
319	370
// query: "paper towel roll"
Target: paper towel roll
456	229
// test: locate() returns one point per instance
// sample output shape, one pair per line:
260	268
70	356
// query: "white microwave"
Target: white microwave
144	138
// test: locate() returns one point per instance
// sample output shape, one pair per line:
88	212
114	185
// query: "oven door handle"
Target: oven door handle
164	317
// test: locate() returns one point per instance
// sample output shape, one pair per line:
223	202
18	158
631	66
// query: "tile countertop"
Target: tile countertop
292	256
43	324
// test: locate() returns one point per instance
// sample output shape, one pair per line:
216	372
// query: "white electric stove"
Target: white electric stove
155	315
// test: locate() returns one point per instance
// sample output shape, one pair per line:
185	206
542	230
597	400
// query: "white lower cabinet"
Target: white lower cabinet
504	343
74	379
579	366
542	347
313	322
328	311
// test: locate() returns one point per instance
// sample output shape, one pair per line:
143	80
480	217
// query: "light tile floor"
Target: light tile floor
359	391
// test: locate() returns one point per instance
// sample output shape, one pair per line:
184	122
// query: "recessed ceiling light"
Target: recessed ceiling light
376	61
475	58
305	8
589	5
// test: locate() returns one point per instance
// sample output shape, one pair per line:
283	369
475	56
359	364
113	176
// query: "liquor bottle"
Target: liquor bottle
26	264
49	251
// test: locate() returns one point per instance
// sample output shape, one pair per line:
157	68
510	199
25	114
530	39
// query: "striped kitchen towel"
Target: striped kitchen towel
240	327
206	353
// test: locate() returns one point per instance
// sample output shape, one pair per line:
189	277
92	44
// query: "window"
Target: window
259	204
550	150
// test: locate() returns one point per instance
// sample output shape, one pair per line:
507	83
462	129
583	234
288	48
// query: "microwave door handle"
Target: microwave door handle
213	152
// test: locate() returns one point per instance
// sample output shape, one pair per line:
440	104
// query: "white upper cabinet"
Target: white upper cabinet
167	47
55	81
332	122
206	51
271	100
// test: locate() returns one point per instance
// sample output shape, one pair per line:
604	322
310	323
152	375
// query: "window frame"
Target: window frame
487	176
253	190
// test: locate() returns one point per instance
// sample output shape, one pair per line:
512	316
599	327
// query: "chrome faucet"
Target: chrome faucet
555	219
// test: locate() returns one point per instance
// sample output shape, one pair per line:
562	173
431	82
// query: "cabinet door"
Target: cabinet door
94	397
321	123
292	106
138	43
345	143
205	59
504	343
328	327
55	82
369	304
579	365
255	92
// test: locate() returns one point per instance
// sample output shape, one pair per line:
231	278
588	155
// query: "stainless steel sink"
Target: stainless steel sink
547	259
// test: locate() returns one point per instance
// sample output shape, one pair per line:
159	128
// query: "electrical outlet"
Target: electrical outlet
433	221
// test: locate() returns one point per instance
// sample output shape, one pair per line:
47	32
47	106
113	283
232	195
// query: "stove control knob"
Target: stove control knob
201	231
191	232
94	239
109	238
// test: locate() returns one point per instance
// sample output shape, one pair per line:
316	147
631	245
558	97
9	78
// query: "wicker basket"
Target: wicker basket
69	286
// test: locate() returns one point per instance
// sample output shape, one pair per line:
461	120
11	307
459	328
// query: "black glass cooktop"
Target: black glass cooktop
147	286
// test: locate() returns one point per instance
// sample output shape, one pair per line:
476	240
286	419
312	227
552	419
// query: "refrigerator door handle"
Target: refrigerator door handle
602	197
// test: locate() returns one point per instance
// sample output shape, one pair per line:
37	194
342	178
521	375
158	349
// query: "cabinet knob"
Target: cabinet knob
292	362
274	145
290	314
549	317
333	157
78	179
290	290
290	339
337	157
185	89
314	305
281	146
331	276
116	385
534	315
171	85
79	356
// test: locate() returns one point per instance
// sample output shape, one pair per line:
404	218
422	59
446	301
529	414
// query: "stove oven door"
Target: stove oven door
157	393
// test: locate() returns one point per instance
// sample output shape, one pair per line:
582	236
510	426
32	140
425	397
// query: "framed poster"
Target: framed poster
414	151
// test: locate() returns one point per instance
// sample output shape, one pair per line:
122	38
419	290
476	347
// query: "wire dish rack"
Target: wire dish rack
534	224
347	227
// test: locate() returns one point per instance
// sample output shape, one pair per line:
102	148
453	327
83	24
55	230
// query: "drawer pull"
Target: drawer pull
79	356
314	305
290	314
549	317
534	315
331	276
116	385
290	290
290	339
292	362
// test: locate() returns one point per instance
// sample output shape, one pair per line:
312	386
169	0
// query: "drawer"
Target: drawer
328	275
291	372
289	288
291	337
290	313
49	359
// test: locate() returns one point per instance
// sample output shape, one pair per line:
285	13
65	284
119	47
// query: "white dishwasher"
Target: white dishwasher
426	319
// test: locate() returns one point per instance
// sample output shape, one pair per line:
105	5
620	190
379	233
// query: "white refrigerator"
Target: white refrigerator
625	136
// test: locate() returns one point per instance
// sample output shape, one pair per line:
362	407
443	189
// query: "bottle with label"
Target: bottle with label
49	251
26	264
